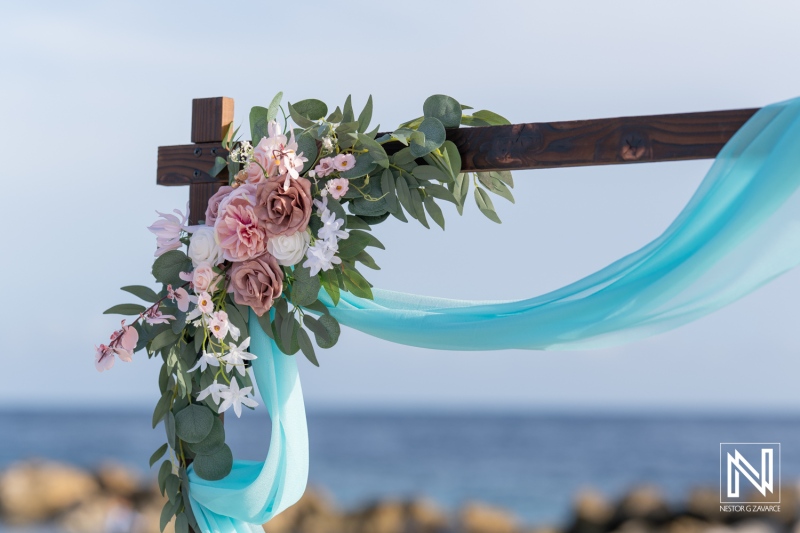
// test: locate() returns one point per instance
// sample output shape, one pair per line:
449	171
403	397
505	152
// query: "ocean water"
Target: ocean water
529	463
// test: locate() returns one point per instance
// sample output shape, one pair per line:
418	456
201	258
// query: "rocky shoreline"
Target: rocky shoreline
113	499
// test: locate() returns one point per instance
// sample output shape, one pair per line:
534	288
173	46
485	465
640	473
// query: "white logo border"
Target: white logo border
721	485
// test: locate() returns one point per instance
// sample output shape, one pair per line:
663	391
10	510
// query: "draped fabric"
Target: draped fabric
740	230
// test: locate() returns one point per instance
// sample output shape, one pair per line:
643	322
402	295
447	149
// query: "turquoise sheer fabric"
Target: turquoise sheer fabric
740	230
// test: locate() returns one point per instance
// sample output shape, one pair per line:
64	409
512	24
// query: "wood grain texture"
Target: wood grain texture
597	142
199	194
189	163
210	117
535	145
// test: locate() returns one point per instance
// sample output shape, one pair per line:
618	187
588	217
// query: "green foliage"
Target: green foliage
169	265
194	423
125	309
444	108
145	293
215	465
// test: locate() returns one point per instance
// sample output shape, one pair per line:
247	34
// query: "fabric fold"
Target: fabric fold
740	230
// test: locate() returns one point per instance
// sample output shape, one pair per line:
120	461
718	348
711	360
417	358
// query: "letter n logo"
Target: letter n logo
745	466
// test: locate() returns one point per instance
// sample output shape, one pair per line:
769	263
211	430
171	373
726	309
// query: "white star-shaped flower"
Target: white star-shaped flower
237	356
215	390
235	397
205	360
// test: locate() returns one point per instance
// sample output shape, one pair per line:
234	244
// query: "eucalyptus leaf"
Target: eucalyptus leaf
355	243
213	441
167	512
172	487
181	523
145	293
367	260
158	454
440	192
325	328
162	407
125	309
164	470
168	266
356	222
434	210
416	201
331	286
404	195
164	339
348	115
491	118
214	466
312	109
274	107
299	118
194	423
259	123
356	284
169	426
429	172
453	158
444	108
485	205
307	146
306	287
306	346
500	189
375	150
365	117
434	132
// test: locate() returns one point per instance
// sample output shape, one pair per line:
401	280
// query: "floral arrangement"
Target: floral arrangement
275	240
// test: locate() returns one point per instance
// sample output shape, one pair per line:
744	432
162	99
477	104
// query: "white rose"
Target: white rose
204	248
289	249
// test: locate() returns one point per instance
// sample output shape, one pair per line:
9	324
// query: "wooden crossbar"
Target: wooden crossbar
605	141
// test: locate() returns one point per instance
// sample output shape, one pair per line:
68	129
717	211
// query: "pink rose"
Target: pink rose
213	204
202	279
240	234
284	209
257	283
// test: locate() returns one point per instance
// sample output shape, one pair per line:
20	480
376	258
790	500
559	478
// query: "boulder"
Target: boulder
36	491
482	518
380	517
704	503
118	480
643	503
592	513
423	516
313	512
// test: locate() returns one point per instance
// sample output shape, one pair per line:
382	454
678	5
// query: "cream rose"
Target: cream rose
204	248
289	249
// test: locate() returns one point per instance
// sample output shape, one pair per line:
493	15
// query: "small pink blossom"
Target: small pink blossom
338	187
204	303
103	358
278	155
344	162
154	316
180	297
168	231
219	325
124	341
324	167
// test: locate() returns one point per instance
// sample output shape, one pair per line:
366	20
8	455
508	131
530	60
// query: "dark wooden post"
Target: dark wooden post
189	165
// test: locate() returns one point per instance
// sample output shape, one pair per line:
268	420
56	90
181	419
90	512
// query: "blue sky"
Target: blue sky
89	90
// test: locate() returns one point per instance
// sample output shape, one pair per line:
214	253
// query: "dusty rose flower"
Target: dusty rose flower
213	204
338	187
240	234
257	283
284	211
